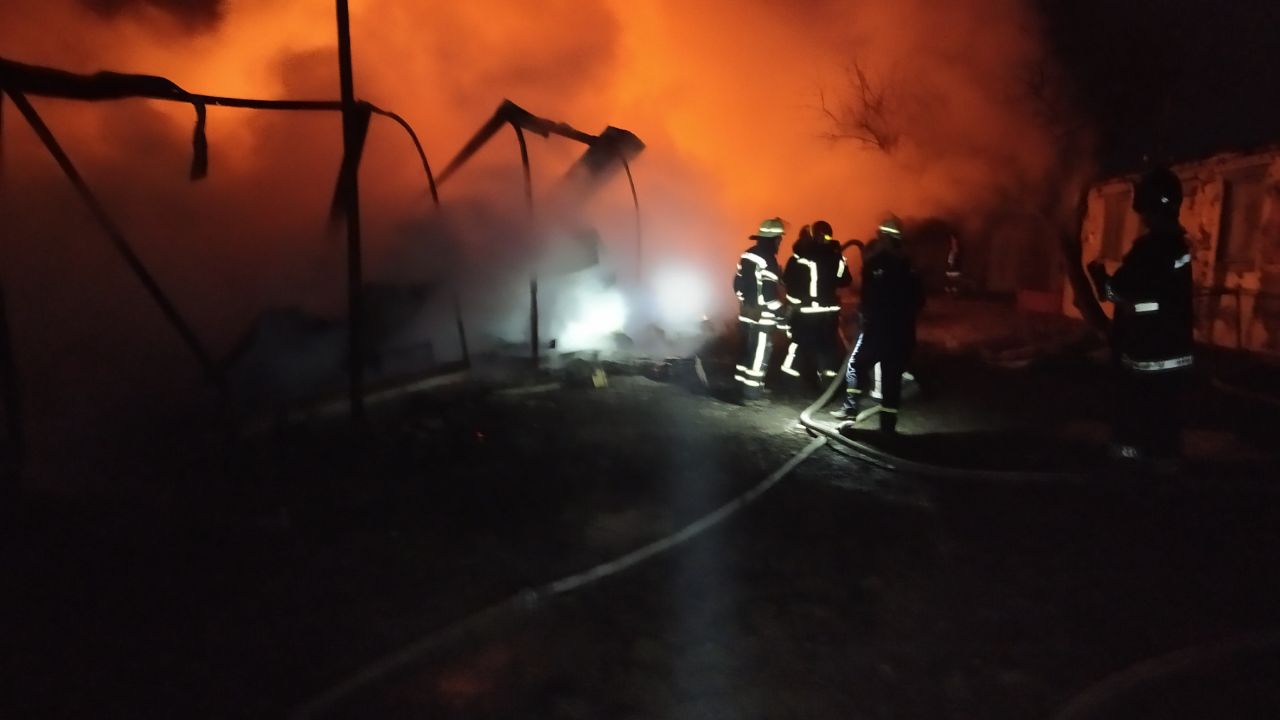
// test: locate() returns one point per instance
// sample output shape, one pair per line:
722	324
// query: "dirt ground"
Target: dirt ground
828	602
313	551
847	593
843	593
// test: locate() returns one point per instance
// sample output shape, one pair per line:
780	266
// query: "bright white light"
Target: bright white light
682	296
598	315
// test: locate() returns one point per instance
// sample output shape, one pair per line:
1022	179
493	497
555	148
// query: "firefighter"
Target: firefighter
892	297
786	319
1151	332
813	277
831	264
757	286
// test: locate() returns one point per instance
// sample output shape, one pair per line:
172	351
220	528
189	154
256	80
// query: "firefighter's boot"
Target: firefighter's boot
849	410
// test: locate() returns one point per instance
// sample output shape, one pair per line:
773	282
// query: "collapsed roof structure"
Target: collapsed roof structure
604	155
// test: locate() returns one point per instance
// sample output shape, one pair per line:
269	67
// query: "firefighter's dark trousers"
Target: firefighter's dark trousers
753	359
815	345
1148	413
860	376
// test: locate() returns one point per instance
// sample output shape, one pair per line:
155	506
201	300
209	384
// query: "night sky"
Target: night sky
1171	79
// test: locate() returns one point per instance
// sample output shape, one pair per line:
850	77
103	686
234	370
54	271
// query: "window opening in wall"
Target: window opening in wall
1238	238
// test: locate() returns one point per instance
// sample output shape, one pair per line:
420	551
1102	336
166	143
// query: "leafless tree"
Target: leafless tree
865	114
870	111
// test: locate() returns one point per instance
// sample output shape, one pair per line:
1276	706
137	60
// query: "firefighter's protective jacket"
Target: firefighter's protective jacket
1153	325
892	297
757	285
812	278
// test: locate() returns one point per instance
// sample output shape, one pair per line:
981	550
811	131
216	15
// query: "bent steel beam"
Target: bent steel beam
118	239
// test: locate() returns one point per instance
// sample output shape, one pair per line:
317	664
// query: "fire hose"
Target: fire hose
885	461
1104	696
530	599
1098	698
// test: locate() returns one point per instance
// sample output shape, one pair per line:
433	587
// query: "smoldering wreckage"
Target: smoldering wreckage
578	306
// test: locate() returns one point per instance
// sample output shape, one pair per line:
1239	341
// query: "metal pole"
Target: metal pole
351	205
635	199
117	238
462	328
533	279
435	200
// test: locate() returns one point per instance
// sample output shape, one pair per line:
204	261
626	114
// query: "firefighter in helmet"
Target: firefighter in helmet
892	298
759	306
1151	332
813	277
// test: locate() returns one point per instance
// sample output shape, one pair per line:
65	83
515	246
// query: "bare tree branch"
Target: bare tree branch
822	101
1043	89
866	113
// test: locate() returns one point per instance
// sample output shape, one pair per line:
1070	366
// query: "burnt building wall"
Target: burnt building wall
1231	213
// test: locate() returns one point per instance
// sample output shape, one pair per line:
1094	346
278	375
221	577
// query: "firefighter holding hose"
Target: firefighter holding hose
813	278
892	298
1152	331
756	284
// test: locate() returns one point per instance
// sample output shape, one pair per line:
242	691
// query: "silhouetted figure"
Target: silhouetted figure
1152	328
951	284
757	284
892	298
813	277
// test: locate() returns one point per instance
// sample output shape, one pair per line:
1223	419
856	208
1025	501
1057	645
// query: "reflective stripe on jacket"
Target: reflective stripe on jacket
756	282
1152	290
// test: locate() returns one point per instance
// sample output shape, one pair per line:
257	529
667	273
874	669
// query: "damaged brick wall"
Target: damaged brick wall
1231	213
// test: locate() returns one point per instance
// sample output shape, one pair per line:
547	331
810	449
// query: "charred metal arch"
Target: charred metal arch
621	146
635	201
533	277
117	237
355	129
19	79
603	149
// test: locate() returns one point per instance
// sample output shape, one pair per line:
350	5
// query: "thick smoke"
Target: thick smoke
727	95
194	14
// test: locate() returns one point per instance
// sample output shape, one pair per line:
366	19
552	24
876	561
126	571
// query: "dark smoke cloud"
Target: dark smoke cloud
194	15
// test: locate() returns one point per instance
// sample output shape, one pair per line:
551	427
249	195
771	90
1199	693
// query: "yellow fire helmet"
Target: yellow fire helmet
770	229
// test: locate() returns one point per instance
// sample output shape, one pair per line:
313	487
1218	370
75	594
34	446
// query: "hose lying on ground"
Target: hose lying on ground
529	599
1097	699
881	459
